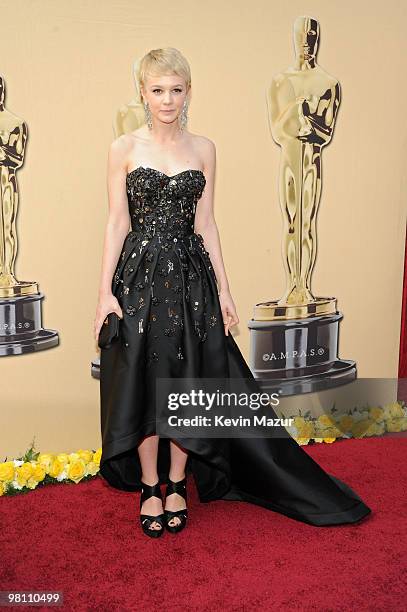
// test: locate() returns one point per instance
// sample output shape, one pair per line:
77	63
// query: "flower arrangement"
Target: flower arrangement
35	469
358	422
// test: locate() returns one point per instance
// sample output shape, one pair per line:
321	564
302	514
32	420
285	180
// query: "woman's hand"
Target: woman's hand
228	308
107	303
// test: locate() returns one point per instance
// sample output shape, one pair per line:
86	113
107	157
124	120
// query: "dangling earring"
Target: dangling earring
183	116
148	116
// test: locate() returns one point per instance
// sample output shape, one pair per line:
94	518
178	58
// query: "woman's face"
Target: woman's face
165	96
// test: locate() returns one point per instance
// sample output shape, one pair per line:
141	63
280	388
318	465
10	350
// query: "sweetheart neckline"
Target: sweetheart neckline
163	173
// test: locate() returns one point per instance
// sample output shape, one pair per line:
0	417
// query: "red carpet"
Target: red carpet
85	541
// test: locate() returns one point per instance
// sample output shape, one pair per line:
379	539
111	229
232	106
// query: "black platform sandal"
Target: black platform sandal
179	487
147	519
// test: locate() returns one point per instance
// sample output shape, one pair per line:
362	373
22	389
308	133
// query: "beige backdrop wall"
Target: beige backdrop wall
68	67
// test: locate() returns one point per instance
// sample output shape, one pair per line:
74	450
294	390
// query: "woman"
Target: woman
167	283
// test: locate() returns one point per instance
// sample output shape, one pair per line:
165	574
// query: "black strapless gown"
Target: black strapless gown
172	327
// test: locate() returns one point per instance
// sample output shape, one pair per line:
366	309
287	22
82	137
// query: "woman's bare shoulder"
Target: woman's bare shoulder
202	141
121	150
128	140
118	153
120	144
205	148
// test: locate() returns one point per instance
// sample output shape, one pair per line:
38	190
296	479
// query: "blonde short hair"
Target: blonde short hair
158	62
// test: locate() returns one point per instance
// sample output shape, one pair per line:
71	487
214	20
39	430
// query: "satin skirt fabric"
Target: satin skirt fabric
183	336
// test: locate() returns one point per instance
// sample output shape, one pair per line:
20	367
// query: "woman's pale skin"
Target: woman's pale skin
166	149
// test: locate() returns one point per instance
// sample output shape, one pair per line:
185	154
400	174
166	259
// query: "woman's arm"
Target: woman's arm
118	223
205	225
117	228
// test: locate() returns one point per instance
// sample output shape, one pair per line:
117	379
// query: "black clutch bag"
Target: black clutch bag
109	332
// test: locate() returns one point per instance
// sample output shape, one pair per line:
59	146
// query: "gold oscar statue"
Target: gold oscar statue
13	138
130	116
296	336
20	301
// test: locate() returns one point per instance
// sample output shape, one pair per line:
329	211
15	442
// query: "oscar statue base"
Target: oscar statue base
277	310
17	288
21	330
299	355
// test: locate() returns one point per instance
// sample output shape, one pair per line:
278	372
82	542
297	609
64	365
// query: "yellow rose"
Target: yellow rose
332	432
360	428
73	457
45	459
396	410
24	473
386	412
403	424
329	440
306	430
76	470
318	439
97	455
31	483
324	420
299	421
63	458
2	489
346	422
38	473
302	441
56	468
376	414
7	470
25	470
393	425
92	468
86	455
375	429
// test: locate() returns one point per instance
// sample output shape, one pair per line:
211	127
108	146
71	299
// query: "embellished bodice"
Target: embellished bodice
162	205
